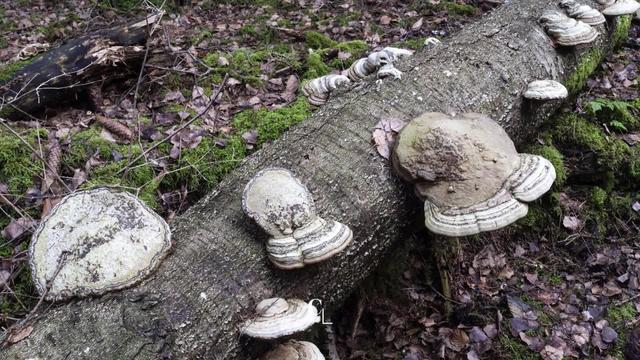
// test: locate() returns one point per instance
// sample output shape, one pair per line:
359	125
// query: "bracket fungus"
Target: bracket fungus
277	317
584	13
96	241
566	31
319	89
622	7
545	90
468	172
284	208
386	58
295	350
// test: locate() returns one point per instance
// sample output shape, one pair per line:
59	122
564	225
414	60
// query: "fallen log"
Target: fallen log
192	306
62	74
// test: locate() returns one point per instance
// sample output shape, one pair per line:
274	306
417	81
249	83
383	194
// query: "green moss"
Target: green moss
598	198
513	349
18	167
587	65
618	317
8	70
621	32
357	49
270	124
537	217
573	130
204	34
315	66
552	154
459	9
555	280
316	40
245	64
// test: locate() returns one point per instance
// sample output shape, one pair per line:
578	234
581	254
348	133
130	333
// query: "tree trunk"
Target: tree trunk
192	306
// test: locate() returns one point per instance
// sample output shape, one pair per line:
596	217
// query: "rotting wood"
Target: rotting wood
191	307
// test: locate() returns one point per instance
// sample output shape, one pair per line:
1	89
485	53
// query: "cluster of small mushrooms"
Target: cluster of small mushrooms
383	62
464	167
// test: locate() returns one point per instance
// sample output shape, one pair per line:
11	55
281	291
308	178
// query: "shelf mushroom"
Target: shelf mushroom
96	241
284	208
545	90
383	59
468	173
584	13
277	317
622	7
566	31
318	90
295	350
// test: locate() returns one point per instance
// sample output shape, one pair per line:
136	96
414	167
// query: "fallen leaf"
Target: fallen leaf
18	334
551	353
385	20
17	228
417	25
572	223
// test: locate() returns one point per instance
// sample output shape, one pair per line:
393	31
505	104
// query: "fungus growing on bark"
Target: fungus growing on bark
319	89
385	58
96	241
277	317
622	7
295	350
584	13
566	31
545	90
468	172
284	208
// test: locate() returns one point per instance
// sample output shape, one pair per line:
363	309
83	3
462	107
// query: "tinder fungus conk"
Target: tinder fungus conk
545	90
284	208
277	317
622	7
96	241
468	172
295	350
318	90
566	31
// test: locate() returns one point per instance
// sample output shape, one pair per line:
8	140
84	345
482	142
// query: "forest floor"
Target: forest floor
563	282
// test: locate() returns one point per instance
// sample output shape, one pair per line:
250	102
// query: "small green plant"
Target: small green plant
620	115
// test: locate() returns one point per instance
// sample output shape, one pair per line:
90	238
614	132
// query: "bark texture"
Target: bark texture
191	307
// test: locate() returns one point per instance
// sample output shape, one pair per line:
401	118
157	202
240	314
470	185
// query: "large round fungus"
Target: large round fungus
545	90
277	317
283	207
96	241
295	350
468	172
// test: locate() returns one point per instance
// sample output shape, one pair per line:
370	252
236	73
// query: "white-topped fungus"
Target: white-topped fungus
284	208
96	241
389	71
545	90
277	317
468	172
584	13
386	58
606	3
295	350
622	7
567	31
319	89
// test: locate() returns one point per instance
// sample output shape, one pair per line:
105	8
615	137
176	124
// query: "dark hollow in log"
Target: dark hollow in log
192	306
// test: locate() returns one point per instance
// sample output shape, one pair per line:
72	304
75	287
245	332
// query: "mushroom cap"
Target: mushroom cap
584	13
96	241
277	317
545	90
283	207
622	7
318	89
567	31
468	172
278	202
295	350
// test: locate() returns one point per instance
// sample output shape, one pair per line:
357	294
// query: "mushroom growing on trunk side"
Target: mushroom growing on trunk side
295	350
318	90
96	241
284	208
277	317
584	13
622	7
468	173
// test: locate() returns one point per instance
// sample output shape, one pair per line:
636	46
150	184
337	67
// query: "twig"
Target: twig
63	260
168	137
